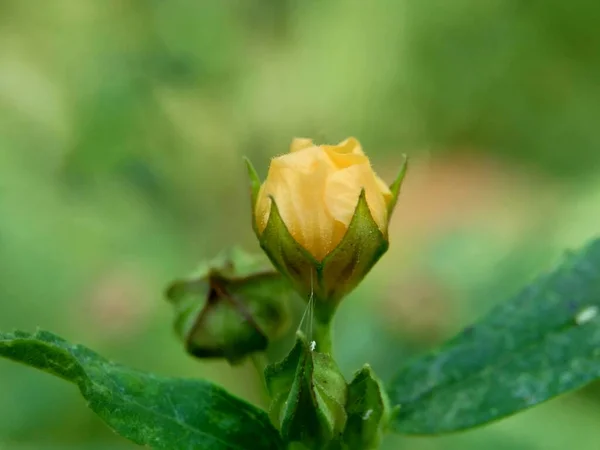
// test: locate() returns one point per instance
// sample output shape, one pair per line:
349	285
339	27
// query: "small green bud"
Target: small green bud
368	411
231	307
309	394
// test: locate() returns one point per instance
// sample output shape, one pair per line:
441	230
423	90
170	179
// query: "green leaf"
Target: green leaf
540	344
159	412
368	410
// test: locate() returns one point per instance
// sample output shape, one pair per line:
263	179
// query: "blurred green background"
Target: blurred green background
122	128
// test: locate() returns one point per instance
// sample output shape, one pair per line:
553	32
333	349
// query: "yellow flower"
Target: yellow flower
321	216
317	188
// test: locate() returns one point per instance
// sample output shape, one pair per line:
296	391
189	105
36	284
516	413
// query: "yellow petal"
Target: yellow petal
303	160
297	183
262	209
350	145
347	153
300	144
343	190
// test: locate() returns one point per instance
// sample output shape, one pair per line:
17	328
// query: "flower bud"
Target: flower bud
322	216
231	307
309	394
368	411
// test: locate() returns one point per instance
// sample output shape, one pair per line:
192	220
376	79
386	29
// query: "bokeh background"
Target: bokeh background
122	129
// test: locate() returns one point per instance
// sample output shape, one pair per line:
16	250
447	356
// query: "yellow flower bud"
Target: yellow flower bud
322	216
317	188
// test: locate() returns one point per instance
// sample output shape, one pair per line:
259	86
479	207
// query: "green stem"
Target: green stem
321	335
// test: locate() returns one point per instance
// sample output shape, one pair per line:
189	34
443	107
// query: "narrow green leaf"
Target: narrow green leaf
542	343
159	412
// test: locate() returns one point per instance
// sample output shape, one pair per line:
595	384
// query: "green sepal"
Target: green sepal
254	189
287	255
231	307
368	411
309	395
395	186
361	247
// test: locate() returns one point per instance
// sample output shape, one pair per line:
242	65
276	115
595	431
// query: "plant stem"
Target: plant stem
321	335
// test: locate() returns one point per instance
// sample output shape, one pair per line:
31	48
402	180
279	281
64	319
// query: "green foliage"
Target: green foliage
542	343
163	413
